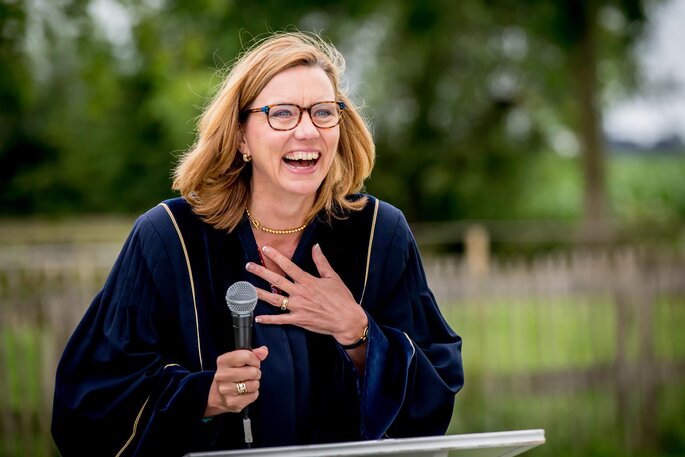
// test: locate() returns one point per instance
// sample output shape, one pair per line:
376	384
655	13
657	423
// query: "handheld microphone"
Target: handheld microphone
241	298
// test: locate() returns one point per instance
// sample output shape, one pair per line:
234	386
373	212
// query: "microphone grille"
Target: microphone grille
241	297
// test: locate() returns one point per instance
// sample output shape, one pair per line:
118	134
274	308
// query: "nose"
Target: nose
306	128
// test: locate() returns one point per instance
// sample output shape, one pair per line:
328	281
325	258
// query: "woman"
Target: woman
350	344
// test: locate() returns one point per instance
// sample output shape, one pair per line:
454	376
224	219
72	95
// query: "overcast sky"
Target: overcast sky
656	113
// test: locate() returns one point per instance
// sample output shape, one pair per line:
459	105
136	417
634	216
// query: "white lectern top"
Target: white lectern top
496	444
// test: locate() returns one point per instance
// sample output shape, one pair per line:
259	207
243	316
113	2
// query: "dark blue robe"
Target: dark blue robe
135	376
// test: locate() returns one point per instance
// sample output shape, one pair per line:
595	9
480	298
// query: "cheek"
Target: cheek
333	143
330	159
266	148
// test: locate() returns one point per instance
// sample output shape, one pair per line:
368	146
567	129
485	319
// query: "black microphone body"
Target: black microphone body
242	330
241	299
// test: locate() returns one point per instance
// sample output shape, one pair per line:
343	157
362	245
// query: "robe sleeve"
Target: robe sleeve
413	361
119	391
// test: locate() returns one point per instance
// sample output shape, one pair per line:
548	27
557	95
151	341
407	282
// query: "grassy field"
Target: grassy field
22	358
533	336
581	423
527	338
642	189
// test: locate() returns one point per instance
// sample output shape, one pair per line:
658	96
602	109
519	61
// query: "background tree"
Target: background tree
587	33
464	98
487	86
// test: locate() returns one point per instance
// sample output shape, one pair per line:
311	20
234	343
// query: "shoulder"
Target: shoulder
388	222
168	210
170	214
165	221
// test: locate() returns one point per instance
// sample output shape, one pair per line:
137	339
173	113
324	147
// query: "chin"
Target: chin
303	189
302	192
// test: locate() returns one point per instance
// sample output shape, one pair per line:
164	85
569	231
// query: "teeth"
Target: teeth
302	156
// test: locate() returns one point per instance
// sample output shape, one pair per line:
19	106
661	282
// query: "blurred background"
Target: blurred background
536	148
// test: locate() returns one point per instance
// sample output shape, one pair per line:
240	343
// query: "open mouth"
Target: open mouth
302	159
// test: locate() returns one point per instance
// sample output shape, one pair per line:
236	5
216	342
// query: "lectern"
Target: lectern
496	444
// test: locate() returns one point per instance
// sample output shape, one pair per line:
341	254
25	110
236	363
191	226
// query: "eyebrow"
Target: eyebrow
293	103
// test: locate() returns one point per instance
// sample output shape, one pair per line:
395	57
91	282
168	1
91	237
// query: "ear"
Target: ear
243	147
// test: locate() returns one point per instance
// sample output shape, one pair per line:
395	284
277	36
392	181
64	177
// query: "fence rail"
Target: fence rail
594	328
581	323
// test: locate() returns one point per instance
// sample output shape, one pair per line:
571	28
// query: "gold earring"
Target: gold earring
246	157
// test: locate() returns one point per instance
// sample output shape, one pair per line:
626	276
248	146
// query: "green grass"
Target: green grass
22	373
648	189
585	423
669	318
22	377
569	420
523	337
526	336
641	189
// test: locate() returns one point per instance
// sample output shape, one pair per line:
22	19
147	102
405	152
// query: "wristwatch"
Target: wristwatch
362	339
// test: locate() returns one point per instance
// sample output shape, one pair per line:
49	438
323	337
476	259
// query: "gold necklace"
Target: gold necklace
259	226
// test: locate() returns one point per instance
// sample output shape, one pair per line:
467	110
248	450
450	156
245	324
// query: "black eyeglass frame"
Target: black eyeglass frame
266	108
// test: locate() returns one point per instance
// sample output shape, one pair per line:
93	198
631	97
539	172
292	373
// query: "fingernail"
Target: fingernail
316	246
258	319
249	266
265	248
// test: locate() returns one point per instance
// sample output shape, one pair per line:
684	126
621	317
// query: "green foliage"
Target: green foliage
649	190
643	190
463	97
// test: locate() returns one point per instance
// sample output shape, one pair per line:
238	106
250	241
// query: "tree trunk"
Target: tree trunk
583	68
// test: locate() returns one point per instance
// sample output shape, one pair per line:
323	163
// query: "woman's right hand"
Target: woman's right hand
240	366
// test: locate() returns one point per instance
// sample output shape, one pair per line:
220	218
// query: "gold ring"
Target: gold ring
241	387
284	304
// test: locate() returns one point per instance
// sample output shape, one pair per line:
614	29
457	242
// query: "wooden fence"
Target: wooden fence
572	342
601	329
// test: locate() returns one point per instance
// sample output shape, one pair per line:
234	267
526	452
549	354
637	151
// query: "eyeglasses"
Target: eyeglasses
284	116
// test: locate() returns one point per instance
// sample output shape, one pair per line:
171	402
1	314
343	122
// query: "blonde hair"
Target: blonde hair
212	175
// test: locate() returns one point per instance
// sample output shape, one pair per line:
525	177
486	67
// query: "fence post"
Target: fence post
624	264
636	372
477	247
645	294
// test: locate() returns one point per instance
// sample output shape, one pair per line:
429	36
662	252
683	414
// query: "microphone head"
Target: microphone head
241	298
